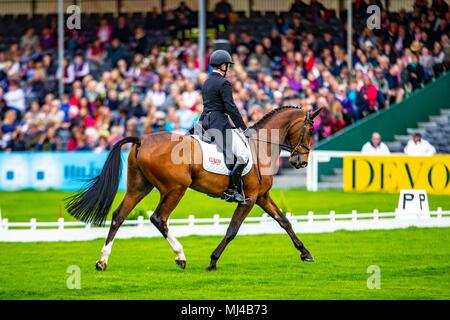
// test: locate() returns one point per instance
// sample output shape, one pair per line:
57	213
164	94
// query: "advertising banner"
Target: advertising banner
394	173
52	170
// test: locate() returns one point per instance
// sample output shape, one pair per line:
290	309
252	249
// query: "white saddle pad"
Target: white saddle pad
214	160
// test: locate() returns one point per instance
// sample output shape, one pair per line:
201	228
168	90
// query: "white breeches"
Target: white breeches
239	147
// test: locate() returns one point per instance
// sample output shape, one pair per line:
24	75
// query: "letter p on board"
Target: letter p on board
413	204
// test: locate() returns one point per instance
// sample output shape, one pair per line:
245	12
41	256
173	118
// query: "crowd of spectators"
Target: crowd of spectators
118	85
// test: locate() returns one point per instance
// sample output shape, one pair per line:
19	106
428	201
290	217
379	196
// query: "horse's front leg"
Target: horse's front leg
269	206
239	215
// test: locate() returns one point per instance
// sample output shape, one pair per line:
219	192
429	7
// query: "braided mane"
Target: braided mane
270	114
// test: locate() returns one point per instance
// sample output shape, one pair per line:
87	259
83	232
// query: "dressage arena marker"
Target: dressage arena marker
412	203
311	223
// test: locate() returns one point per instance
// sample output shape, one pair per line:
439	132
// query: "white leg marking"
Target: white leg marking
106	251
176	246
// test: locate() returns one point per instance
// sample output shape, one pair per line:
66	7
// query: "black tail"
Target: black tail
92	205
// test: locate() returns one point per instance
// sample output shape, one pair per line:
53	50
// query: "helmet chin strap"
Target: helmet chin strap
224	71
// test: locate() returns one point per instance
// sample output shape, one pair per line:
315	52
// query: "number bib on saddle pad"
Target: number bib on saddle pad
214	160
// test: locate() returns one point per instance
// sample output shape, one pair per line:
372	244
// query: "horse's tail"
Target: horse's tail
92	205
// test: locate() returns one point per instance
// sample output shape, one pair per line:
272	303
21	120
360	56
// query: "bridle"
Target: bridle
293	149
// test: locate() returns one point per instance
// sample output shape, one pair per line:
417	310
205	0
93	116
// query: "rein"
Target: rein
288	147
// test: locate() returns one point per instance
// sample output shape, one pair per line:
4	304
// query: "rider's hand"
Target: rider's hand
248	132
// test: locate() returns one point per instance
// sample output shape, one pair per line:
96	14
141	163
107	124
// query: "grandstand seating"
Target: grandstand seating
436	131
14	26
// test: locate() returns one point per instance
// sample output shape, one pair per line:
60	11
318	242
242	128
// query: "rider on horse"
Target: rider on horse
218	105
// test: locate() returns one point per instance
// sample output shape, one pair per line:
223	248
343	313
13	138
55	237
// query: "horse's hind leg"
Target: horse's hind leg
269	206
137	188
169	200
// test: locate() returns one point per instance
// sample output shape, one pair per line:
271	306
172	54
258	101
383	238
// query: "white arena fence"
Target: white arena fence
321	156
34	231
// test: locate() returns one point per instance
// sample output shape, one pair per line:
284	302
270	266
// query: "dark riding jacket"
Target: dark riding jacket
218	103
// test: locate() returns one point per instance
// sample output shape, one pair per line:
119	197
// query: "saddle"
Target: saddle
213	158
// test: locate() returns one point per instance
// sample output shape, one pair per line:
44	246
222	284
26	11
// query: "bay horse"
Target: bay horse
151	165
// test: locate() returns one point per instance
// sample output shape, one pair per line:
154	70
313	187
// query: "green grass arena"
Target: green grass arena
414	263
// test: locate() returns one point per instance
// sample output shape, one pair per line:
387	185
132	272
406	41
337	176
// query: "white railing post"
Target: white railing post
332	216
289	216
264	217
439	213
375	214
310	172
321	156
60	223
354	215
310	216
216	219
33	223
315	175
140	220
5	224
191	219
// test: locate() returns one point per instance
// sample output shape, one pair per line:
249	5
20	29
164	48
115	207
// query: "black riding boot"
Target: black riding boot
235	191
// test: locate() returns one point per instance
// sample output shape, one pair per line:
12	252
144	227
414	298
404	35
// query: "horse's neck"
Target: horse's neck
269	137
276	127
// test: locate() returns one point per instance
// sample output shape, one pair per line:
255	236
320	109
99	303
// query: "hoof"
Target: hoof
307	257
211	268
100	265
181	263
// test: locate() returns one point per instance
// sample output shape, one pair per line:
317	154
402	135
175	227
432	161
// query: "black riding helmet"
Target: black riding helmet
218	57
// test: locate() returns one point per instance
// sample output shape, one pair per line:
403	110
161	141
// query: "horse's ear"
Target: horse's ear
316	113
